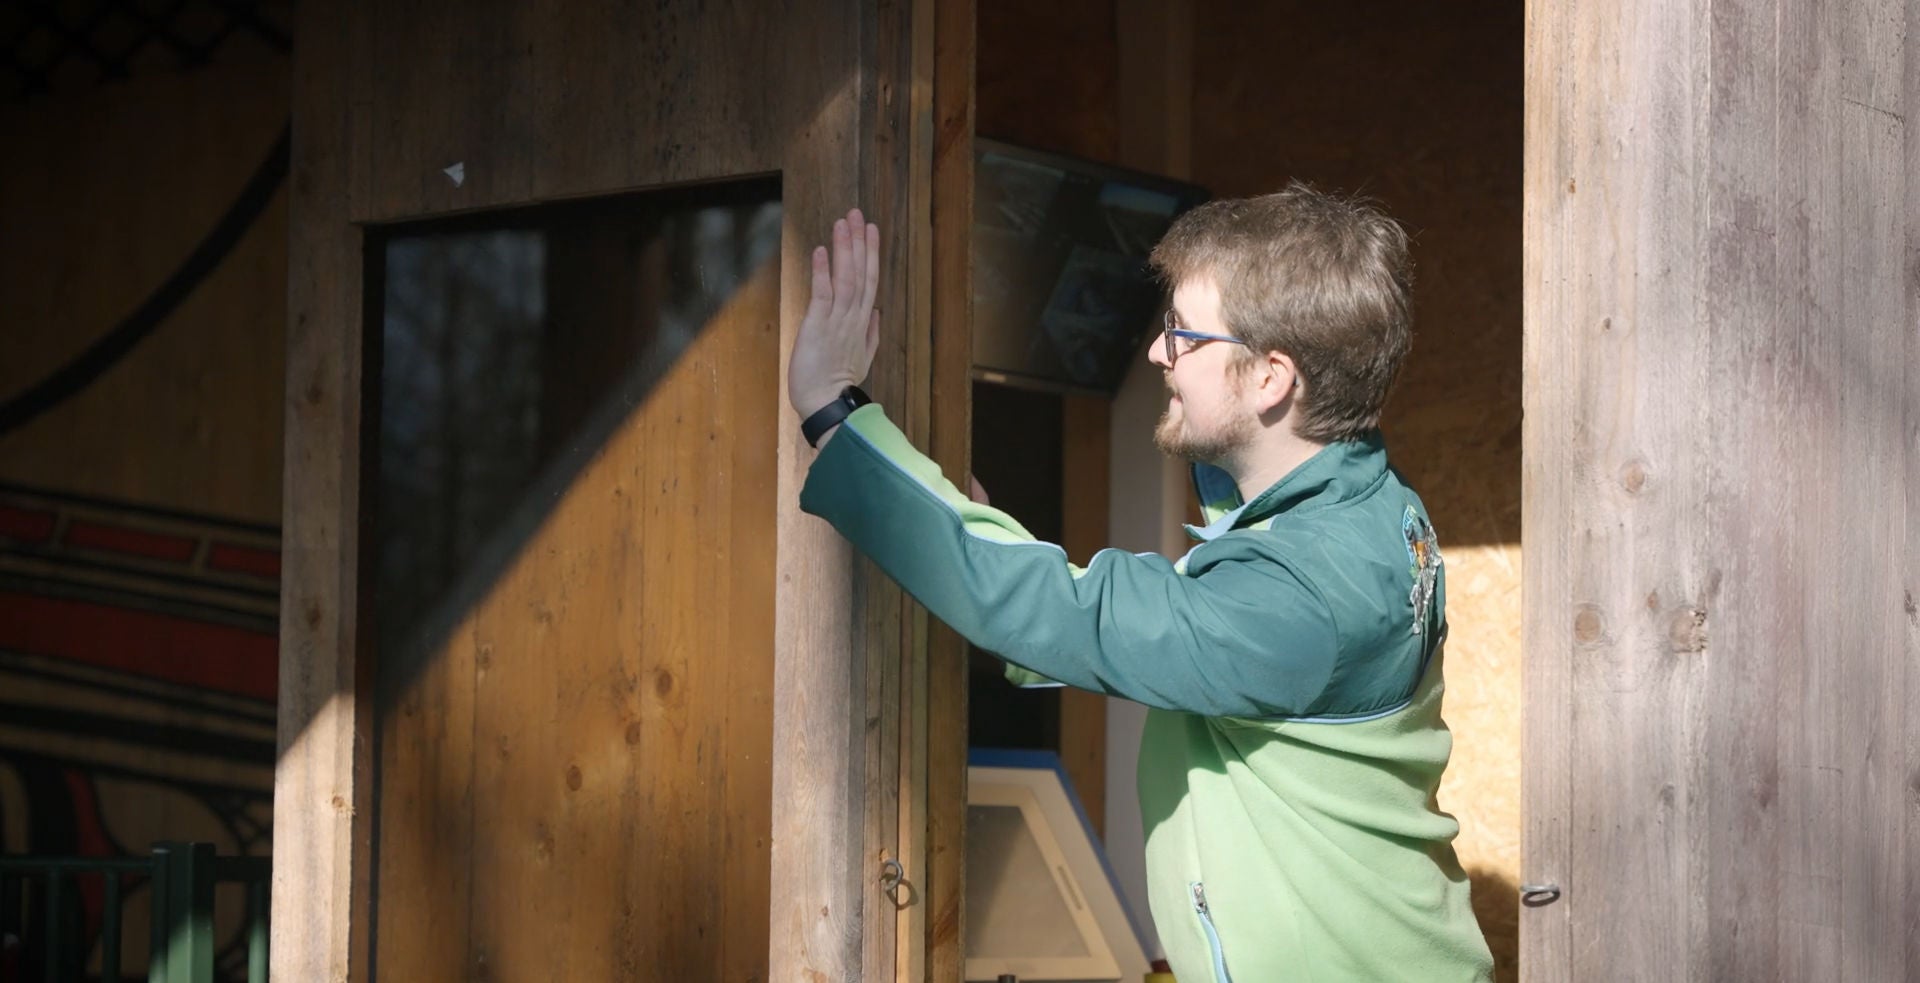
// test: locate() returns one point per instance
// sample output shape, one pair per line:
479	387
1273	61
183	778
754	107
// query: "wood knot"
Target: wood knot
340	806
1633	476
633	732
1588	625
663	682
1688	630
1570	186
573	777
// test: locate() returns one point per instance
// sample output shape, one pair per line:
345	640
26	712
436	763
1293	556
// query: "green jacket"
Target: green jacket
1290	763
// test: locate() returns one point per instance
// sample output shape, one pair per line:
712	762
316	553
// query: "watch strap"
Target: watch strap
829	416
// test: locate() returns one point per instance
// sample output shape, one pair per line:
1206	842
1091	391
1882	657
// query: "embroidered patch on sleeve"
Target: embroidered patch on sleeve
1423	564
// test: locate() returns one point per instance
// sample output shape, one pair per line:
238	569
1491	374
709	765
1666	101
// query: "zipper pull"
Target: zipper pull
1200	898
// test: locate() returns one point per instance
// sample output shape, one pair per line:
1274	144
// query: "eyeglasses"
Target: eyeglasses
1171	332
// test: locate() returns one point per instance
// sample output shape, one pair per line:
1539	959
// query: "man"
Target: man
1292	658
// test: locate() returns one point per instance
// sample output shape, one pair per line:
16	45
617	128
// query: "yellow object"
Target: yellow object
1160	978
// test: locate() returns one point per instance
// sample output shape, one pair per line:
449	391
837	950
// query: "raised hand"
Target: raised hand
837	338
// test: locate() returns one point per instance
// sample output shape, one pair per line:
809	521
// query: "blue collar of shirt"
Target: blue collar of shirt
1339	472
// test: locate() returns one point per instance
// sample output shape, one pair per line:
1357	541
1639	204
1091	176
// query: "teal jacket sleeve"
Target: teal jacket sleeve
1244	636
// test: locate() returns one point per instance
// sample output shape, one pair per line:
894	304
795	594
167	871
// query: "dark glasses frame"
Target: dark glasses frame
1169	332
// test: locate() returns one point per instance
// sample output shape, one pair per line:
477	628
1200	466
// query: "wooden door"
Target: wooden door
571	689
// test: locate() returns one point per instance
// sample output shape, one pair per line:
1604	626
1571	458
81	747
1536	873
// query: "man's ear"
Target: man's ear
1279	380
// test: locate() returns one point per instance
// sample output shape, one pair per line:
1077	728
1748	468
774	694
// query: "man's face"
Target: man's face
1207	417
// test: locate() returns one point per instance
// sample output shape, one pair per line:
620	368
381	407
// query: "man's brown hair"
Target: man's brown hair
1321	278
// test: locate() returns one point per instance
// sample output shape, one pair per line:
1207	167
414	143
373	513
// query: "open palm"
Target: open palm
840	332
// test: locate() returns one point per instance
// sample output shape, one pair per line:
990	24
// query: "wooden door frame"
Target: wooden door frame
867	768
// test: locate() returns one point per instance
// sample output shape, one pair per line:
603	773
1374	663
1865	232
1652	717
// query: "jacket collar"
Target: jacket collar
1340	472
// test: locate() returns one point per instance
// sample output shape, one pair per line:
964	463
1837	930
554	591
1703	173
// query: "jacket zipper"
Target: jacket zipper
1200	908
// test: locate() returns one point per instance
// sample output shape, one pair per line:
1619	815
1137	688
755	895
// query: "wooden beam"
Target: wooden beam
323	792
944	701
822	869
1087	422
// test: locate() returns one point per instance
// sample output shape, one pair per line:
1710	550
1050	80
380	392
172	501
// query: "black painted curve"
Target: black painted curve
206	257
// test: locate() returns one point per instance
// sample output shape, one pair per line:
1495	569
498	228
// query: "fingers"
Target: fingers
846	280
842	264
822	299
858	261
872	285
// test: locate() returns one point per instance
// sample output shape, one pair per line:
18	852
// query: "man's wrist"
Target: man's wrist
813	399
816	425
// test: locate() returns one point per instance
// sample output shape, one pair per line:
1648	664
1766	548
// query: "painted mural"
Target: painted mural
137	675
143	262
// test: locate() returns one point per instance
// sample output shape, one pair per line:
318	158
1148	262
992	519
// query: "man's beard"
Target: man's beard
1222	445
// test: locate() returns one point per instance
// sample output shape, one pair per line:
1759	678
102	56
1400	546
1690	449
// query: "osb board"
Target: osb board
1419	107
104	194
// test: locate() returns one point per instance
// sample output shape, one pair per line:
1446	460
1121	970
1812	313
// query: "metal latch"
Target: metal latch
1539	895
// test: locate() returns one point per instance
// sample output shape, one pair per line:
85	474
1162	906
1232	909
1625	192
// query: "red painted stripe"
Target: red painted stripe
245	559
26	525
119	539
160	646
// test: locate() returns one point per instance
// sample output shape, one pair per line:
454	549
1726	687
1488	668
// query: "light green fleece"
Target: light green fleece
1292	660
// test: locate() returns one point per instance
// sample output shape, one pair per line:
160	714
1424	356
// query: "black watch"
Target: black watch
829	416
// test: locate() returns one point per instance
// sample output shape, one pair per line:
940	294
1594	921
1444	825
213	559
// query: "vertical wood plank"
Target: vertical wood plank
322	792
1087	424
951	428
425	769
820	871
1910	576
1613	489
1548	415
887	197
746	776
1864	602
910	923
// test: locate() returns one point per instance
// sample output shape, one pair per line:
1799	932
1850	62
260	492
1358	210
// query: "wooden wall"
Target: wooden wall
105	194
1722	498
139	504
596	99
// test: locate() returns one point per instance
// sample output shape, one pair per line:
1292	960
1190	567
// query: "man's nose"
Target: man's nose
1157	352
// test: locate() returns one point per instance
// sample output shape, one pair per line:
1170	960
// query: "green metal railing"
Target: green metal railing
181	876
